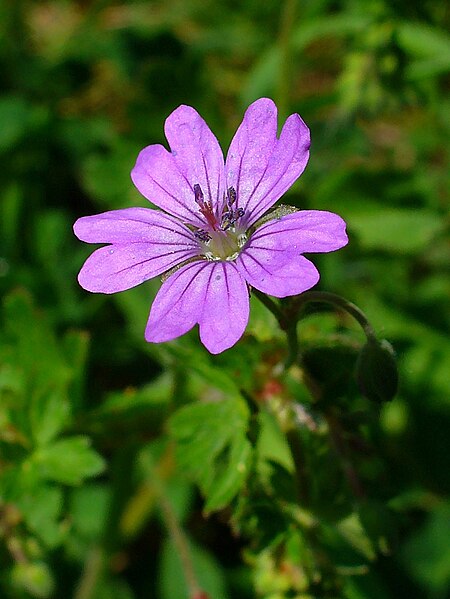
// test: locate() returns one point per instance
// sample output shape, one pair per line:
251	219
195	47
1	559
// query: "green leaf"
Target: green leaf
49	413
35	578
34	343
351	530
107	177
68	461
12	387
262	323
153	395
41	511
194	358
196	361
89	507
423	41
231	477
212	447
272	445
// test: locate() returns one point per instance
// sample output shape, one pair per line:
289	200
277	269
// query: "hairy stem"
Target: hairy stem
292	338
270	305
301	479
181	543
92	570
341	450
289	326
336	300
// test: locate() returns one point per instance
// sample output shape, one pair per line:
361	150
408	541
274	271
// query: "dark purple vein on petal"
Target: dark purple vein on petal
154	258
184	290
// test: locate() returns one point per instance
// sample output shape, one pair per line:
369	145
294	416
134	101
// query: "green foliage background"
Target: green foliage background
110	447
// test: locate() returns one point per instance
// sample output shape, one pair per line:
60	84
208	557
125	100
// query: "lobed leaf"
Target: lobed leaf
212	447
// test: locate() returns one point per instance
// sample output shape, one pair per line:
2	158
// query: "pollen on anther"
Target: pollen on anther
198	194
202	235
231	196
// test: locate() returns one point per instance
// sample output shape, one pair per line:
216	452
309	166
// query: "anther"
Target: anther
231	196
202	235
198	195
230	217
205	207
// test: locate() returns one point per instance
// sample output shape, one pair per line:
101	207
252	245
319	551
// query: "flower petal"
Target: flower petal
145	242
226	309
302	231
277	272
179	302
212	294
251	148
261	166
196	153
131	225
158	178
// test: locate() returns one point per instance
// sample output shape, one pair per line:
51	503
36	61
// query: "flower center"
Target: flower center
222	238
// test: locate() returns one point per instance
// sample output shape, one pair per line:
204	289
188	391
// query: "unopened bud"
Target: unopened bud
376	371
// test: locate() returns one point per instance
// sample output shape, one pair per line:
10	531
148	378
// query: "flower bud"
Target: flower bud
376	371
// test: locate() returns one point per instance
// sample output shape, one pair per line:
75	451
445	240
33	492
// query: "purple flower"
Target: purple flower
207	229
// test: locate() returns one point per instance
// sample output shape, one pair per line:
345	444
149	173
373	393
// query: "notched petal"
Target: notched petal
279	274
212	294
302	231
262	167
226	309
179	303
196	153
158	178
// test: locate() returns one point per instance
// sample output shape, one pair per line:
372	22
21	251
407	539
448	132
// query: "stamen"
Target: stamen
198	195
229	218
221	239
205	207
231	196
202	235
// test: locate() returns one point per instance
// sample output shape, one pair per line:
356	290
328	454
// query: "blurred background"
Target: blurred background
83	399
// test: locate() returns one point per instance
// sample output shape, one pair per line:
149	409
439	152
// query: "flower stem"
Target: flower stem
288	325
292	338
181	543
301	479
336	300
341	450
270	305
93	568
